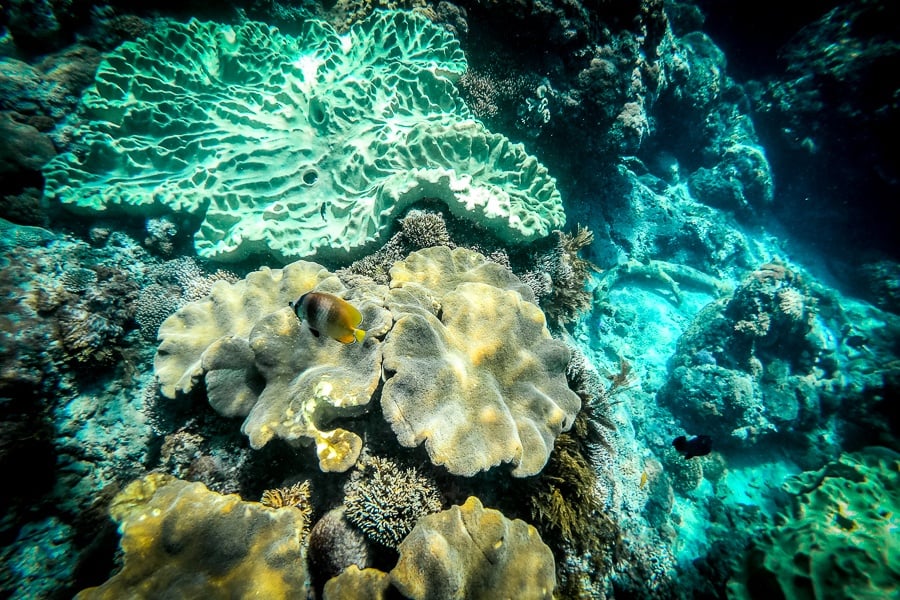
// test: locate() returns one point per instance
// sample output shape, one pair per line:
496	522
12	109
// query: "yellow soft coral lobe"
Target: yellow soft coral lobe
181	540
474	373
473	552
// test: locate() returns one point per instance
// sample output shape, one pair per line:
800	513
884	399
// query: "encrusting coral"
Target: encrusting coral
295	146
181	540
385	501
471	368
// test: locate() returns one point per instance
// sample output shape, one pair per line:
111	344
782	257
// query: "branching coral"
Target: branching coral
385	501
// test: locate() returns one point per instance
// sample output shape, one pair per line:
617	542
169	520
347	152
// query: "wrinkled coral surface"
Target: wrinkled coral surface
469	365
839	538
183	541
296	146
258	361
230	311
473	371
476	553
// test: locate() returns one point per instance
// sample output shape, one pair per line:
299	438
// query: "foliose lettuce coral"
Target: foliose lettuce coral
838	538
295	145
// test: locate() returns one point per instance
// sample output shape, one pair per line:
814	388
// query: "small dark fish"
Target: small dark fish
322	211
700	445
328	314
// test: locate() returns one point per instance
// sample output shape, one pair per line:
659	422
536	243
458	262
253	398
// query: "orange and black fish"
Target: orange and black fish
328	314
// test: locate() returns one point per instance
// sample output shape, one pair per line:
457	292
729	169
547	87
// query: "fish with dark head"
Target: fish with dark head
331	315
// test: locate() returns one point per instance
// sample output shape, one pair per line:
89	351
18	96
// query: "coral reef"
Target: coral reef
827	117
230	311
309	380
385	501
351	136
473	552
753	363
454	381
258	361
335	545
181	540
48	542
838	537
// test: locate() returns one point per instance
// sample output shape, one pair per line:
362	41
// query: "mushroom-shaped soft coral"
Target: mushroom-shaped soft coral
474	552
231	310
310	381
181	540
260	362
475	375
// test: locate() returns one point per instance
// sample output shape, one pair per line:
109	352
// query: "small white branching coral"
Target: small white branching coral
385	501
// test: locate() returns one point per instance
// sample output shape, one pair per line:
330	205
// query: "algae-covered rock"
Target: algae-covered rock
295	145
181	540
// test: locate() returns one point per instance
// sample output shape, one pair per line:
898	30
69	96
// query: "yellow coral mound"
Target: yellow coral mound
183	541
474	553
467	552
260	362
472	369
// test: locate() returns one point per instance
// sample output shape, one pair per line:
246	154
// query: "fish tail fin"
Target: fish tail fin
359	335
680	442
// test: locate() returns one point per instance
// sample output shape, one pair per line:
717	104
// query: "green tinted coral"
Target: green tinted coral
839	538
295	145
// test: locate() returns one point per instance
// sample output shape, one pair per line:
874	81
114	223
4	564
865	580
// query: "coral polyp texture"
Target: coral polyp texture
385	501
295	146
181	540
472	369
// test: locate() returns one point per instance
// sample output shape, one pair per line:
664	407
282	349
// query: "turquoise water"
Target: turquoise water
544	247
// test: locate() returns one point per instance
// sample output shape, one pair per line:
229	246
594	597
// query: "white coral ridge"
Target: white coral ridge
296	146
